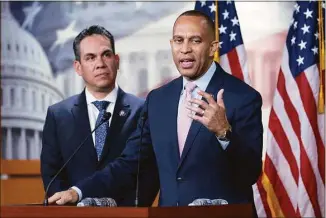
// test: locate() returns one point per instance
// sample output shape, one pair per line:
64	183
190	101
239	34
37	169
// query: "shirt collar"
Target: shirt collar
203	81
111	97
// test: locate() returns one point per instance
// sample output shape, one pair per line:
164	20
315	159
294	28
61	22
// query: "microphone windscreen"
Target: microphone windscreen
87	202
97	202
201	202
205	201
106	202
219	202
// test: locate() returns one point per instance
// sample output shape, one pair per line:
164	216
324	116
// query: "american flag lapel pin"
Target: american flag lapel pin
122	113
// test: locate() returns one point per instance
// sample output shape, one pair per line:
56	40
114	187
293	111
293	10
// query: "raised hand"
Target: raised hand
211	114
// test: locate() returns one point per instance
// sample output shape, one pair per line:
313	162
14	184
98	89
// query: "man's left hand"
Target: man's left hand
64	197
211	114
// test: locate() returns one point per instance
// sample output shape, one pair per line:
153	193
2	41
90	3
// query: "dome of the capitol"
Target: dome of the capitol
27	89
20	48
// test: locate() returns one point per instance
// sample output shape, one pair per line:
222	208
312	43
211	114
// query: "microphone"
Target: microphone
105	118
97	202
143	120
205	202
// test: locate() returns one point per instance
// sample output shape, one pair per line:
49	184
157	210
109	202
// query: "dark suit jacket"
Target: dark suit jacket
204	170
67	125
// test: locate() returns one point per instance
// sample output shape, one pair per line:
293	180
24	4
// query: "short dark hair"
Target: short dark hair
196	13
95	29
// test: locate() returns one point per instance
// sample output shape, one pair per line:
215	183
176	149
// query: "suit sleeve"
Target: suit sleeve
122	172
245	148
51	159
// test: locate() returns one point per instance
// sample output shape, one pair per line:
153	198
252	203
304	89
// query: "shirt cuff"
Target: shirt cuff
80	194
224	144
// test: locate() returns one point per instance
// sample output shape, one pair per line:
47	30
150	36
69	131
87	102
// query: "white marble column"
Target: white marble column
18	94
22	146
36	145
38	100
6	96
8	148
32	95
29	106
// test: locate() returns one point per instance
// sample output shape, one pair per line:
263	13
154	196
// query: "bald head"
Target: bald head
193	44
206	19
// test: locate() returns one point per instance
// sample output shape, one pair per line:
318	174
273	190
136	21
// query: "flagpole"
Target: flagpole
217	35
321	99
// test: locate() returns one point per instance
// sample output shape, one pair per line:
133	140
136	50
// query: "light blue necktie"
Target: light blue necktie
102	131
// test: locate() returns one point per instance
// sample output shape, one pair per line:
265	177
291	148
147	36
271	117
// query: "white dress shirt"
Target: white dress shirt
93	111
202	84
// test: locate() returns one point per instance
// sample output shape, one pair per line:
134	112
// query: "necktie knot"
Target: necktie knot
101	105
190	86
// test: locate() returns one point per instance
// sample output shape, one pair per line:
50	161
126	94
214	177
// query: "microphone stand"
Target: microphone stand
143	119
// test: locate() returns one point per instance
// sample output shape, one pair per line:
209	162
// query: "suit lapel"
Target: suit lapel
172	117
214	85
120	114
81	119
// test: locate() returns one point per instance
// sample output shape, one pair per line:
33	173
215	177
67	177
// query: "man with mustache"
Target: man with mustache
70	121
203	131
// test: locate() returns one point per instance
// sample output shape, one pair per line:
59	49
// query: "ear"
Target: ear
77	67
117	60
171	42
214	47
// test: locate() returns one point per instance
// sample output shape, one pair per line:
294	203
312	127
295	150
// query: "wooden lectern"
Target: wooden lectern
234	210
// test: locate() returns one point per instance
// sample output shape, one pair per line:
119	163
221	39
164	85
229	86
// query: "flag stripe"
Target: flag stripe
241	51
271	198
309	104
235	64
305	133
262	211
224	61
281	139
309	181
275	182
308	177
284	171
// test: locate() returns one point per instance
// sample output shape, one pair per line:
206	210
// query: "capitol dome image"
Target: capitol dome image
27	89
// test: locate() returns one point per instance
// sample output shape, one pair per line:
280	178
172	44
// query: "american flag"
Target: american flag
293	179
232	52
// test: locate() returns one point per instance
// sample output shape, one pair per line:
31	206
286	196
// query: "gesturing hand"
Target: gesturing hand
211	114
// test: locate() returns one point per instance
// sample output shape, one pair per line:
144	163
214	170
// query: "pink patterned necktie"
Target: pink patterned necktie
184	121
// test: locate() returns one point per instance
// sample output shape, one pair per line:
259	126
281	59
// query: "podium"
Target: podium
233	210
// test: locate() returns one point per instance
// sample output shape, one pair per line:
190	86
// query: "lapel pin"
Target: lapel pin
122	113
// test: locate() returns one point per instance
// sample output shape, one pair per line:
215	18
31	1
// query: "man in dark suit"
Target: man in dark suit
70	121
205	144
